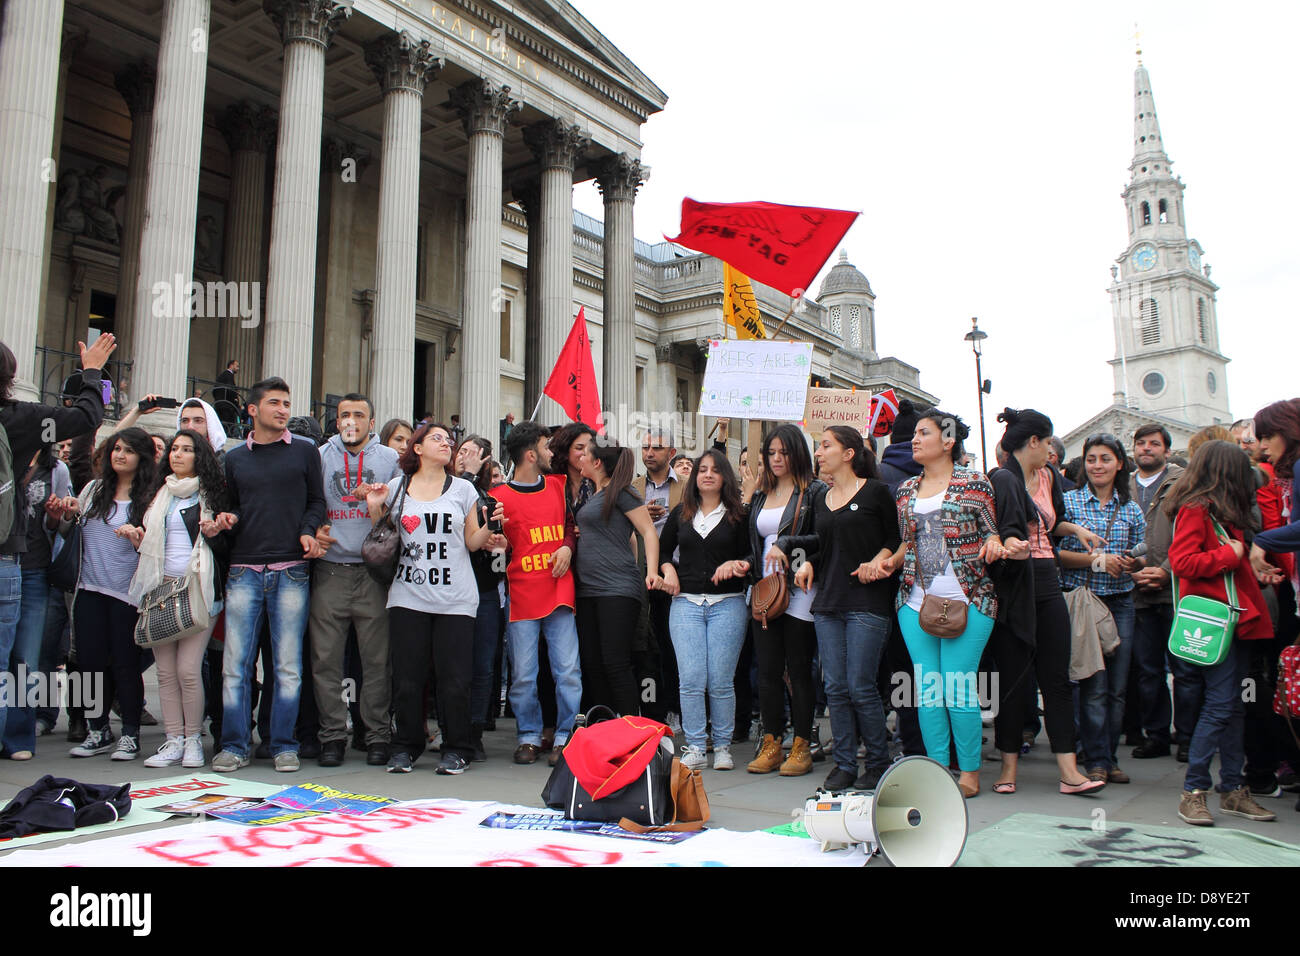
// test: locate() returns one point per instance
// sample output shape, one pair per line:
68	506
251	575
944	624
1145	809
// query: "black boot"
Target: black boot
480	754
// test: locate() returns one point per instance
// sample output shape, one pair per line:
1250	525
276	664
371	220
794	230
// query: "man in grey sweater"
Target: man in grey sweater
343	592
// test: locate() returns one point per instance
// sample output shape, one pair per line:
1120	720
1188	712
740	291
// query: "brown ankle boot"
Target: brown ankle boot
800	760
769	756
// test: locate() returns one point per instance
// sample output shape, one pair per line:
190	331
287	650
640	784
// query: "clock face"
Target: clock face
1153	383
1143	258
1194	258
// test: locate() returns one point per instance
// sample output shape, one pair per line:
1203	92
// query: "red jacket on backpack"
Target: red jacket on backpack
1200	559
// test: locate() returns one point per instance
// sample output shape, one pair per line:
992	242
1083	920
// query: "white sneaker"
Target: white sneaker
128	748
722	759
693	757
168	755
193	756
96	742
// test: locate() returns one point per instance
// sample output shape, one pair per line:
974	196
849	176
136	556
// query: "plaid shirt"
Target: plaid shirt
1083	508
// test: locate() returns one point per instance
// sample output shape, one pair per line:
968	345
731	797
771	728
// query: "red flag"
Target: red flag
781	246
573	381
884	409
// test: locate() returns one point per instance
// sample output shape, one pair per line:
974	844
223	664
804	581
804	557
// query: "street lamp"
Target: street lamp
976	339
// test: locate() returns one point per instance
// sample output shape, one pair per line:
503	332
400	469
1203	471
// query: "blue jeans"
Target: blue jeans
485	650
18	732
283	598
1221	725
707	639
946	691
1101	696
561	632
850	645
11	605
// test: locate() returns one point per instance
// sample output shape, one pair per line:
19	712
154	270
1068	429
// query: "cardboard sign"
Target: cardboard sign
837	406
762	381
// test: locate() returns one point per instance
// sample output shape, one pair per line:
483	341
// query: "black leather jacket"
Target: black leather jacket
219	545
788	538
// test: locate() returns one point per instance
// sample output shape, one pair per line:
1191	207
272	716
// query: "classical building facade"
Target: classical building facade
374	196
1167	366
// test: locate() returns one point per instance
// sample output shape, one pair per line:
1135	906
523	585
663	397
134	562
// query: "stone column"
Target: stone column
403	66
306	29
557	147
344	363
666	372
249	130
484	108
29	75
161	335
618	179
136	84
528	195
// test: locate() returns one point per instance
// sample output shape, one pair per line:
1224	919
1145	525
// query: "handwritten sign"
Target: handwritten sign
762	381
836	406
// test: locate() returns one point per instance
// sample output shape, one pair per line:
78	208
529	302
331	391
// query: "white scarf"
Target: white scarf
153	549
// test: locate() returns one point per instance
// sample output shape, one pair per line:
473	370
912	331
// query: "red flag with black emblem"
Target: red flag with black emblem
573	381
781	246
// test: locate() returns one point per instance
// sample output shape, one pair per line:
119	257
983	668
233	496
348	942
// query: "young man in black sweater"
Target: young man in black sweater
277	504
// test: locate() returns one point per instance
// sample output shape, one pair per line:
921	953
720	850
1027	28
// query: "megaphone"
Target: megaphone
916	816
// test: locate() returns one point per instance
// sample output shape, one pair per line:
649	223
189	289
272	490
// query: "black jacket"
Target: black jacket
55	803
788	538
1014	580
219	545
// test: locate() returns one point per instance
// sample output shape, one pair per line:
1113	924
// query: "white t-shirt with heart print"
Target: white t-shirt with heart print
434	573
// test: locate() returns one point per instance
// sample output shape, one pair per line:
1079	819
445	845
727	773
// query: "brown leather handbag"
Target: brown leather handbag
942	617
771	595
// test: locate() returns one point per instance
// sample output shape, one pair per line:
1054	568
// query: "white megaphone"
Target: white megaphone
916	816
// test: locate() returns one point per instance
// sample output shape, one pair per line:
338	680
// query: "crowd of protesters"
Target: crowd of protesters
909	584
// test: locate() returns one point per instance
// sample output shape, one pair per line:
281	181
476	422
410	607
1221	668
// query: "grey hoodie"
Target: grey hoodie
350	520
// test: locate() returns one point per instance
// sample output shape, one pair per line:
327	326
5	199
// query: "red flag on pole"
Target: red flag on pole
780	246
573	381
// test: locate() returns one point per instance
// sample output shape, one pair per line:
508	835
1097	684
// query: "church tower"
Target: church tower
1167	359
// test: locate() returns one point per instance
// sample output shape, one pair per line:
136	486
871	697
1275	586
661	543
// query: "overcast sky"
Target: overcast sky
986	146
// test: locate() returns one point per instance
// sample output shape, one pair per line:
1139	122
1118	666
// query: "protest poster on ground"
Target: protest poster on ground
319	798
836	406
209	803
262	814
761	381
557	822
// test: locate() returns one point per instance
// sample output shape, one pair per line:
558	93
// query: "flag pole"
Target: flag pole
788	313
536	407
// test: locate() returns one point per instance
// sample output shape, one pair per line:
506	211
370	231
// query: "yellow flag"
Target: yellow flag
739	307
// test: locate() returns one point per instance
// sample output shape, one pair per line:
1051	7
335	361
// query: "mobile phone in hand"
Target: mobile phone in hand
493	526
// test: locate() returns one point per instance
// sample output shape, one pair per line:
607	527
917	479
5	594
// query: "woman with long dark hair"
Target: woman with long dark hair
949	536
1277	430
609	584
1211	506
103	614
568	445
1103	505
396	434
857	532
783	531
180	534
1032	631
708	615
433	598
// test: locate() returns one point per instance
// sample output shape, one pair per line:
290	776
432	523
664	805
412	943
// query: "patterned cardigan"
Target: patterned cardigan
968	519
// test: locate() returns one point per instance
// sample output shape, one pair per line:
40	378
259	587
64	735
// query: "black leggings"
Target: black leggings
417	640
1048	660
786	646
606	627
104	629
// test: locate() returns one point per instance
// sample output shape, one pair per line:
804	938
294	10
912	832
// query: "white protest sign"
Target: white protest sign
761	381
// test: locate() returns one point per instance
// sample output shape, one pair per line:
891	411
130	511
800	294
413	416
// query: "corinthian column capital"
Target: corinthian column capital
136	84
249	126
619	177
401	62
314	21
556	145
483	106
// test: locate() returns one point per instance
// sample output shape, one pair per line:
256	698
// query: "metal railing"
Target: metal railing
57	367
229	407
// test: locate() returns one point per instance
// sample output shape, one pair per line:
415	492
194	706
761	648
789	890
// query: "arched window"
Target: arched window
855	327
1164	210
1146	213
837	323
1149	322
1202	321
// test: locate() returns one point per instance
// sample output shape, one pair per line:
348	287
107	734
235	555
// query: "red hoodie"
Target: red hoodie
1199	560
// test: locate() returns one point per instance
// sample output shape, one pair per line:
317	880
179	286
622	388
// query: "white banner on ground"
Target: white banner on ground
424	833
761	381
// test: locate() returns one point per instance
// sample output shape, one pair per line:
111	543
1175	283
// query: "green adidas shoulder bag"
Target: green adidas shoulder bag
1203	627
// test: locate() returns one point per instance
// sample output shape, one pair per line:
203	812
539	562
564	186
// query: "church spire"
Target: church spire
1149	158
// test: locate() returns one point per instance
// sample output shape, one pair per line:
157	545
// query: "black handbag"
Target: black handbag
383	545
66	566
647	801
